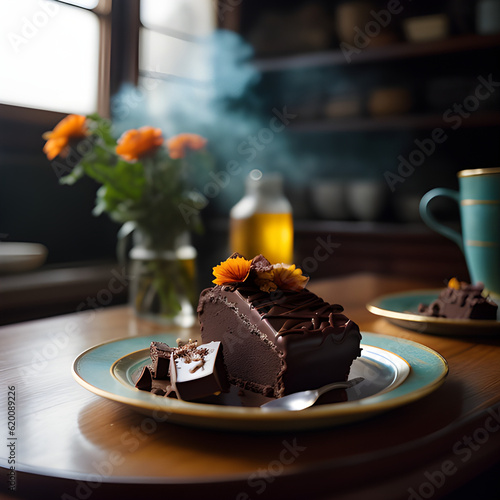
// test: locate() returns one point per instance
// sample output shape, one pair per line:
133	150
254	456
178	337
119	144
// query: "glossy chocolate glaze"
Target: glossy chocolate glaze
279	342
145	380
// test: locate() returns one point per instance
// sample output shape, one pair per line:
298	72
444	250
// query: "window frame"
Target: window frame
119	32
109	31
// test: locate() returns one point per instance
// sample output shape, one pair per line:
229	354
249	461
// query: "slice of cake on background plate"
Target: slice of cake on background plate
461	300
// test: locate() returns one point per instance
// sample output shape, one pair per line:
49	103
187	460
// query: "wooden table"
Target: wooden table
73	444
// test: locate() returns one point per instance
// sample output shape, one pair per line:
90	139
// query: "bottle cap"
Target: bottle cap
268	184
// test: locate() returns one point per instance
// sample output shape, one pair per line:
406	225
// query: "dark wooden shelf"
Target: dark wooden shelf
375	228
390	248
53	290
403	50
382	123
411	250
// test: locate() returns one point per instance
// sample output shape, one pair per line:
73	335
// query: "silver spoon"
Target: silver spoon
304	399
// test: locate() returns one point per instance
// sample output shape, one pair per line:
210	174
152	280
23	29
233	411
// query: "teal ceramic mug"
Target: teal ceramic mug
479	200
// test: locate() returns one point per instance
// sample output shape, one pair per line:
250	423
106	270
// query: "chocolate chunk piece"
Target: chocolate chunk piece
261	264
160	358
187	372
197	372
144	382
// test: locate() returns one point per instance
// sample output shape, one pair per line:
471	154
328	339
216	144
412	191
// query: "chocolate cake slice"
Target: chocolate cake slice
278	337
461	300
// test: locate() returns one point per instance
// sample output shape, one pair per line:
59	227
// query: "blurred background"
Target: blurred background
361	106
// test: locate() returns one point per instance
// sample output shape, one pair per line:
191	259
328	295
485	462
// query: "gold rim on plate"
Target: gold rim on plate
440	326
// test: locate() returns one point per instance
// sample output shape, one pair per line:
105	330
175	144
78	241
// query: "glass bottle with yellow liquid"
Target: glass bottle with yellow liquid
261	222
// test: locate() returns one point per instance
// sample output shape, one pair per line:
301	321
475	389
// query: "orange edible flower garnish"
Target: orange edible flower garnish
178	144
289	277
136	143
265	281
71	127
454	283
232	270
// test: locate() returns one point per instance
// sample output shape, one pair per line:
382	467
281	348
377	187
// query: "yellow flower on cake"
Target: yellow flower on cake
289	277
70	127
232	270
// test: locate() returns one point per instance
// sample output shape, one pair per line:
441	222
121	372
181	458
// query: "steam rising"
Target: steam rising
223	105
229	102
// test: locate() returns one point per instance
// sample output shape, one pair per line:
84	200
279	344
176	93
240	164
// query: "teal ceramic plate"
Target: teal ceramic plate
402	310
396	372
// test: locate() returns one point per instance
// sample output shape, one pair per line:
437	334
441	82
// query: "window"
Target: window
49	53
56	54
60	57
180	18
171	48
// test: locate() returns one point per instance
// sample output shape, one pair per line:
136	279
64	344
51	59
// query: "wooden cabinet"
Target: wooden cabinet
399	113
411	58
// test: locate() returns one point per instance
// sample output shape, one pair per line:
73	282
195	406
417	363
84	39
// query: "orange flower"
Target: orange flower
289	277
71	127
454	283
178	144
232	270
136	143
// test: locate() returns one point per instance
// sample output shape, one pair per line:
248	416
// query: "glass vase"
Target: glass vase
163	282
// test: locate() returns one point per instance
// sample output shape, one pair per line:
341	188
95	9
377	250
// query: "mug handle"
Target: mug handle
432	222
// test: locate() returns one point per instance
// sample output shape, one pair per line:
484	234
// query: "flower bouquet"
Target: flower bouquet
147	186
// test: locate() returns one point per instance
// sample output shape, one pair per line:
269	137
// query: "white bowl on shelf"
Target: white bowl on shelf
426	28
20	257
386	101
366	199
328	199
